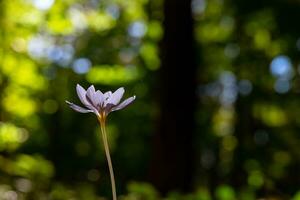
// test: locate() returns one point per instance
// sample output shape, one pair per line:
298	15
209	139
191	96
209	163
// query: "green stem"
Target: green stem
106	148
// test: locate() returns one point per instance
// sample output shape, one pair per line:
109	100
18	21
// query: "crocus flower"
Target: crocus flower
102	104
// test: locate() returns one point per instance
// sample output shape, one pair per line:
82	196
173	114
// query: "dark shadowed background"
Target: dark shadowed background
217	114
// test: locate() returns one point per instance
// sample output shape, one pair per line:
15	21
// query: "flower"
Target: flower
100	103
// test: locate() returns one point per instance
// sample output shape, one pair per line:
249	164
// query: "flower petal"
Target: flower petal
125	103
108	108
78	108
90	92
99	98
116	96
82	94
107	95
92	99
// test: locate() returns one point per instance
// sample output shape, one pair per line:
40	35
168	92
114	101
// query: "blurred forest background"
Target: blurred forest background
217	114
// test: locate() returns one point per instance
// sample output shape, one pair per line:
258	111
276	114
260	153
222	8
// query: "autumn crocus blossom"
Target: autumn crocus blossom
102	104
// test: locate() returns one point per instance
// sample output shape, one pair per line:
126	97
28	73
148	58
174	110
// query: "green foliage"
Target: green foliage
11	137
141	191
225	192
297	196
112	75
33	167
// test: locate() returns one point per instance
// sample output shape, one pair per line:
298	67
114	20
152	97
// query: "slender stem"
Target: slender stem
106	148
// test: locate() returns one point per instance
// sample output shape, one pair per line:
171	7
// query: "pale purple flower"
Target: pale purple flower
100	103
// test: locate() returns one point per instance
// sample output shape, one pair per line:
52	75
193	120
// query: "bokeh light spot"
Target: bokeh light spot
137	29
43	4
114	11
93	175
281	67
282	86
23	185
245	87
225	192
229	142
81	65
198	6
10	195
38	46
232	50
255	179
229	93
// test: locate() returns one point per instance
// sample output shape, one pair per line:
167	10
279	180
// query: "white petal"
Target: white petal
90	92
78	108
99	98
125	103
82	94
107	94
116	97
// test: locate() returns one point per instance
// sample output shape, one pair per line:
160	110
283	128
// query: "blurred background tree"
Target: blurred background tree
216	115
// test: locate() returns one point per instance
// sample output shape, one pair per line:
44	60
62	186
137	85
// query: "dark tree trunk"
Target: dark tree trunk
172	162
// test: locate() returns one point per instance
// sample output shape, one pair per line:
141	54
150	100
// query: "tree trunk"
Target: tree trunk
171	167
